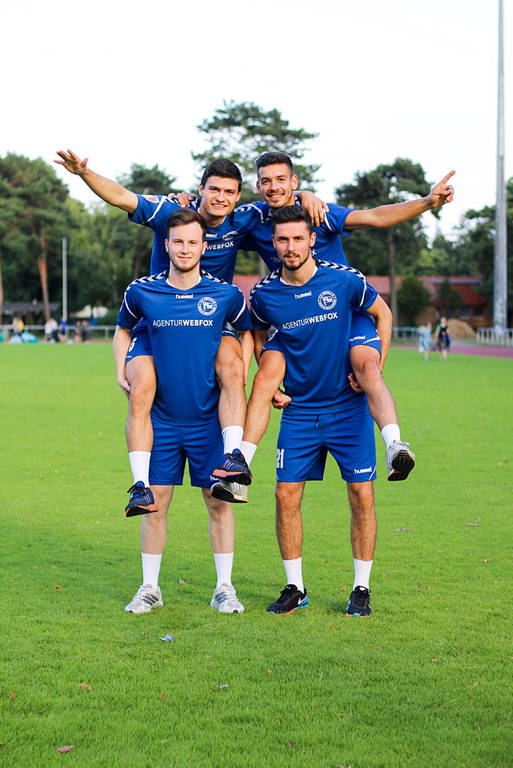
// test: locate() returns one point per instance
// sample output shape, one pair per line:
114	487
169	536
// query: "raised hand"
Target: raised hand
442	192
72	162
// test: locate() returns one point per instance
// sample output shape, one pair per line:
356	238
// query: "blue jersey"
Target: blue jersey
312	323
328	245
223	241
185	328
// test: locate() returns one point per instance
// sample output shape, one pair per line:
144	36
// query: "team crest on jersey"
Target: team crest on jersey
207	305
327	300
151	198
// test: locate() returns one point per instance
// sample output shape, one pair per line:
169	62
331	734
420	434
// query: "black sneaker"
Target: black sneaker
359	602
141	500
289	601
233	469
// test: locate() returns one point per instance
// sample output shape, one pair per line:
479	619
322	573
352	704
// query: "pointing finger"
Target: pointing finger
446	178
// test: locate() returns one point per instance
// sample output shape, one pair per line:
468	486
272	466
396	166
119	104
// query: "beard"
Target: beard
296	266
184	268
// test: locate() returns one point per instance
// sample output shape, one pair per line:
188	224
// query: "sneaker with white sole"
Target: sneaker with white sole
225	600
400	460
145	599
236	493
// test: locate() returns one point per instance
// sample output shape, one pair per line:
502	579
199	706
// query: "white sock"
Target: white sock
151	569
248	451
391	433
140	466
362	569
224	564
294	572
231	438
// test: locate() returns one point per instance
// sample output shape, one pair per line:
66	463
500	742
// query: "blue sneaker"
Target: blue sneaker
141	500
359	602
233	469
290	600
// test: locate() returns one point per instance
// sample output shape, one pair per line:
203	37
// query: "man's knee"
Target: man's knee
365	362
217	509
288	497
361	495
264	385
140	374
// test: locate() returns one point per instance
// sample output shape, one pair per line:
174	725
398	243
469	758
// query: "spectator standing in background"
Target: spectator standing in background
443	339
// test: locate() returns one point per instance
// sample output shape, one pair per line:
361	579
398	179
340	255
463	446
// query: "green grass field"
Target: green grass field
426	681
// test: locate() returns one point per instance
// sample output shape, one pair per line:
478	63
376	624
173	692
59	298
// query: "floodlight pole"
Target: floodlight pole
500	282
65	279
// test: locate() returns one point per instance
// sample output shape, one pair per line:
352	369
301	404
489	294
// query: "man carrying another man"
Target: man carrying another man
310	302
185	312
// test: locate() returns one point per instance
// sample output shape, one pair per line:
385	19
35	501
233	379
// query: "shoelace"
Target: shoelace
140	491
289	590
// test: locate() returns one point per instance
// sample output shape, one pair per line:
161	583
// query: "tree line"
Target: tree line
106	251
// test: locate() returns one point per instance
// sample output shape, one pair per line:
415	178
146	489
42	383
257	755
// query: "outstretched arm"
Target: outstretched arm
110	191
388	215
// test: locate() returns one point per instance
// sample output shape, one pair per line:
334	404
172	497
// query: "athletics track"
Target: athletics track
481	350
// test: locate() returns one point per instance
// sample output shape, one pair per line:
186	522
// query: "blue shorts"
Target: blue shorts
229	330
201	444
140	342
306	438
363	331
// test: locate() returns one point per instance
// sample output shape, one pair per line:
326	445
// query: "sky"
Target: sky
126	82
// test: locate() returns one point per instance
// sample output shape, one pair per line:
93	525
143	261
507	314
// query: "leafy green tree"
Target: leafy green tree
474	248
243	131
412	298
448	300
145	181
395	248
36	201
439	259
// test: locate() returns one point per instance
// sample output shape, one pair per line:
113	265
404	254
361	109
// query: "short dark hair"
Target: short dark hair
271	158
291	213
223	168
186	216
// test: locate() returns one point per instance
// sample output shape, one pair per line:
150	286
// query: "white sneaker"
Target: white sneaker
400	460
225	600
146	598
236	493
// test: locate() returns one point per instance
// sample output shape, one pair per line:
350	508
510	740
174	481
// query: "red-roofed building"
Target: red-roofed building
474	309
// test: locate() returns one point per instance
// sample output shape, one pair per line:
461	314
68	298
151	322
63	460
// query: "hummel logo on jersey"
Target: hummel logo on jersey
327	300
207	305
302	295
184	295
362	471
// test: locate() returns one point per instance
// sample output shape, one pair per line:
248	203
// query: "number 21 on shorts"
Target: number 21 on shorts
279	458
